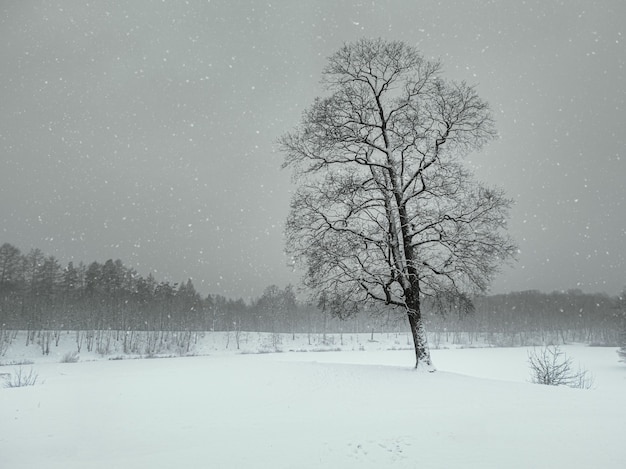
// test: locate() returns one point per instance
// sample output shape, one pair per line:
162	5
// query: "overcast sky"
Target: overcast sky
144	130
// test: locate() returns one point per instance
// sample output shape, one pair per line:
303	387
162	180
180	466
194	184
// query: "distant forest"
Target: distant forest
37	293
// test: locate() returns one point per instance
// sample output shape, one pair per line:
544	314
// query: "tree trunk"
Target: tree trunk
422	353
413	303
420	341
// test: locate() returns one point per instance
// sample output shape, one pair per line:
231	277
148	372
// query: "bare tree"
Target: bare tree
385	212
622	333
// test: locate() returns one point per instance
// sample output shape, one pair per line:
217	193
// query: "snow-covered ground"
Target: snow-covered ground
364	407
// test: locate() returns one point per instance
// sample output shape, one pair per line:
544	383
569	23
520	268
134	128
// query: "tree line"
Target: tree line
533	317
38	293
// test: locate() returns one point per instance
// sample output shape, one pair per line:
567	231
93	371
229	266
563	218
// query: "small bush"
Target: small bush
552	367
70	357
19	378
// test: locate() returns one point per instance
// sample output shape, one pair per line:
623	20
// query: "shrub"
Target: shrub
70	357
551	366
17	362
19	378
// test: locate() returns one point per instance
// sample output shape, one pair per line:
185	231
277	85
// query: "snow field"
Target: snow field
314	410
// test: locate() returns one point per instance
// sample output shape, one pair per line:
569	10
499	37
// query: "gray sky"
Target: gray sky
144	130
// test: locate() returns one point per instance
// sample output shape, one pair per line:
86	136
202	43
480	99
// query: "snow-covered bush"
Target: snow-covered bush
553	367
70	357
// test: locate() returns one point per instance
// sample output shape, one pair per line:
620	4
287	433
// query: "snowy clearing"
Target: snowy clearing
351	409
